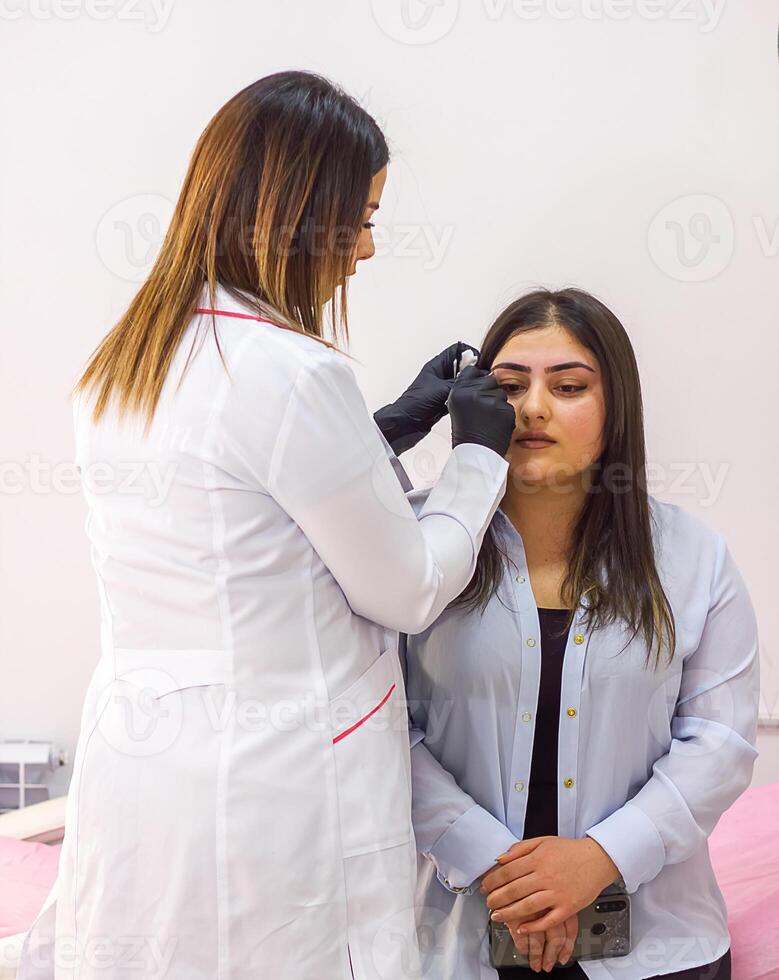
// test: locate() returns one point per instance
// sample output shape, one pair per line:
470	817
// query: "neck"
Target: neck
545	518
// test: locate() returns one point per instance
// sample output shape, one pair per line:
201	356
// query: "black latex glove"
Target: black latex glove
480	412
409	419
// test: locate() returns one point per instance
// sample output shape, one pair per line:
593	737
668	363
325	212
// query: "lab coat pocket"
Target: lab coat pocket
370	739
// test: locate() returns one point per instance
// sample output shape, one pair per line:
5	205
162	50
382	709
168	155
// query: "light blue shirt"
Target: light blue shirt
647	761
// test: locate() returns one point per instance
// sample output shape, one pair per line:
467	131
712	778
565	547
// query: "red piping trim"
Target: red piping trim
241	316
363	720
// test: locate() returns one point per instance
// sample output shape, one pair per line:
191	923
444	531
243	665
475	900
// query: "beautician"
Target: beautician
586	710
240	801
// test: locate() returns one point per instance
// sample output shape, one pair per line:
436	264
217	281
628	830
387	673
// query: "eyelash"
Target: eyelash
576	388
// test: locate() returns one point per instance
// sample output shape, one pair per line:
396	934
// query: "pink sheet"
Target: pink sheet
745	853
27	872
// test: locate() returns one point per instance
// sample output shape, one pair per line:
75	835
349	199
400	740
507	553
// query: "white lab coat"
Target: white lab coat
240	801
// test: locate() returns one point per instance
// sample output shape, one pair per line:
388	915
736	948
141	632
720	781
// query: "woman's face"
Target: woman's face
555	387
365	248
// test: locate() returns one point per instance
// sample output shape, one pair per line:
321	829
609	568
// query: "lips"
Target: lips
538	437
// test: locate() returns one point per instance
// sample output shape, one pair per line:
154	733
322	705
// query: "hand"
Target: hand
556	874
480	411
405	421
544	949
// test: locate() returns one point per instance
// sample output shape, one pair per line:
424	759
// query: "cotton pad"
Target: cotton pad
466	359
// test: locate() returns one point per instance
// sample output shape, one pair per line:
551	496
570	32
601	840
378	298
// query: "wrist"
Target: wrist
607	871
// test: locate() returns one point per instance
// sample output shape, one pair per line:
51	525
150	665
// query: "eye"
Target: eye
513	389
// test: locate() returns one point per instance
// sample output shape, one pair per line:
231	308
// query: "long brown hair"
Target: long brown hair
611	558
271	208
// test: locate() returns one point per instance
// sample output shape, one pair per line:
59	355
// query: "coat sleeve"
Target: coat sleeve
330	472
712	753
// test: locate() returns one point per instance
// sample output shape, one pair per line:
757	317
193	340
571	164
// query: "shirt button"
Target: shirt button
578	638
526	716
572	712
519	785
568	783
520	579
531	642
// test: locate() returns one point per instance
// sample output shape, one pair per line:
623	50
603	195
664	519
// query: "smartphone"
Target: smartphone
604	931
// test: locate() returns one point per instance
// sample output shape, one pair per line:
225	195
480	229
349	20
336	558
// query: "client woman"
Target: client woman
586	709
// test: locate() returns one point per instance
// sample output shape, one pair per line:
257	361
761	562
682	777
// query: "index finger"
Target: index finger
502	874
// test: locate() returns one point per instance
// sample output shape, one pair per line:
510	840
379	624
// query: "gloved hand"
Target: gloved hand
480	412
407	420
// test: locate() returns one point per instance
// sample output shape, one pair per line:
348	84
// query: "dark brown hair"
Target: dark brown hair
611	558
271	208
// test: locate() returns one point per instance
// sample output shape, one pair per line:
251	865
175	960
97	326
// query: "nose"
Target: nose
534	404
366	248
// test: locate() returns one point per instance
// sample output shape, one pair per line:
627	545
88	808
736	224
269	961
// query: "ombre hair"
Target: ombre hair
611	559
271	209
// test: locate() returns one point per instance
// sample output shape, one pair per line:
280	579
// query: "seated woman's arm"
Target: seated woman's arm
713	750
461	838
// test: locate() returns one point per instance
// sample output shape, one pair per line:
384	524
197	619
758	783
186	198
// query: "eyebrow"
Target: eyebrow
550	370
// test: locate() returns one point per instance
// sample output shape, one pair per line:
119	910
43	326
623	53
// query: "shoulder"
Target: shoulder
268	339
683	536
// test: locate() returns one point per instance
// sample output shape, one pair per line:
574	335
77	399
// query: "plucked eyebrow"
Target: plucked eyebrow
550	370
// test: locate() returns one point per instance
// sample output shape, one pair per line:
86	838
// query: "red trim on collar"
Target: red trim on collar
241	316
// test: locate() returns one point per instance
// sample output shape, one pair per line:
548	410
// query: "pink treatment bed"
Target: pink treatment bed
744	851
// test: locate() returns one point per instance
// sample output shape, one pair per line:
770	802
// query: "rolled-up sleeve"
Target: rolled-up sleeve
712	754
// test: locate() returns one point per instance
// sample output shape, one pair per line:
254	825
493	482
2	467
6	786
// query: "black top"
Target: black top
541	817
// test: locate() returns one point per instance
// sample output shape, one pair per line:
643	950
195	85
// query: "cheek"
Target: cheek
581	423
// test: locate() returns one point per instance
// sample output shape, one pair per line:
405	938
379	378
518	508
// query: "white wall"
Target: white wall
630	149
